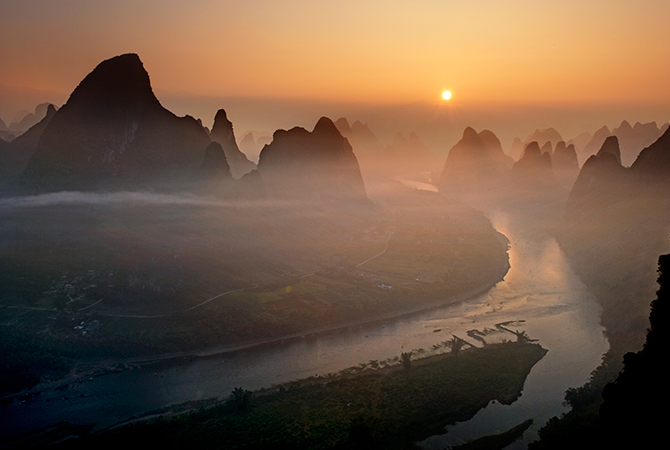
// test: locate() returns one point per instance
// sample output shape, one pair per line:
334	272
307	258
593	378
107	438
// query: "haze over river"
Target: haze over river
540	294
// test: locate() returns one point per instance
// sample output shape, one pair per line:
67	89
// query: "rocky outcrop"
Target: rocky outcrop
222	132
113	133
316	165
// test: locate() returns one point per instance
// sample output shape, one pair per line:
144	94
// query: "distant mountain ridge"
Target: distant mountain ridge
14	155
113	134
540	136
604	180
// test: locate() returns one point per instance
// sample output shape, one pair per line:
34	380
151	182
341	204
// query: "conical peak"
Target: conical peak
414	139
122	75
222	126
325	126
531	151
490	140
602	130
343	126
611	145
51	110
470	134
342	121
532	147
221	116
359	124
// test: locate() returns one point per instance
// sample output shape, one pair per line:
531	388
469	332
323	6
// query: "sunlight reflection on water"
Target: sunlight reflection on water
561	313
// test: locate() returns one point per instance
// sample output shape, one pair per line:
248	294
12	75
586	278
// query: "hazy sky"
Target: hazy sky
591	57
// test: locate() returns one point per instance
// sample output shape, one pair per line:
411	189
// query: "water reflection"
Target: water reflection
560	312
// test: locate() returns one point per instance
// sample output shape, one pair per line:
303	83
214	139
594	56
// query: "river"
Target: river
540	294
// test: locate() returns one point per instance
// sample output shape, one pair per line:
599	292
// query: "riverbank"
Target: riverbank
387	408
550	313
92	368
100	283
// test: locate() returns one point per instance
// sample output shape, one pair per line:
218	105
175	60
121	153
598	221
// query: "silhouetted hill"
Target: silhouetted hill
616	222
28	120
542	137
404	157
601	181
15	155
342	124
315	165
247	144
252	142
580	141
633	139
595	143
611	146
363	141
632	414
222	132
475	164
627	411
113	133
534	169
516	149
652	166
5	135
564	162
215	165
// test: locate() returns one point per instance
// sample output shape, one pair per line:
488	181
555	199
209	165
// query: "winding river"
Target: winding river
540	295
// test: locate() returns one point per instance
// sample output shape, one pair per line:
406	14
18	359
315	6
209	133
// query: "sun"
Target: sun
446	95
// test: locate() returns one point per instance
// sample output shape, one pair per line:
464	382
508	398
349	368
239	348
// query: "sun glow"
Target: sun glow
446	95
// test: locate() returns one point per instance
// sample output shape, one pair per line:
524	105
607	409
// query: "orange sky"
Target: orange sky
489	53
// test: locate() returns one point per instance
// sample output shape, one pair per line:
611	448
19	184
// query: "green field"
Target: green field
124	279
